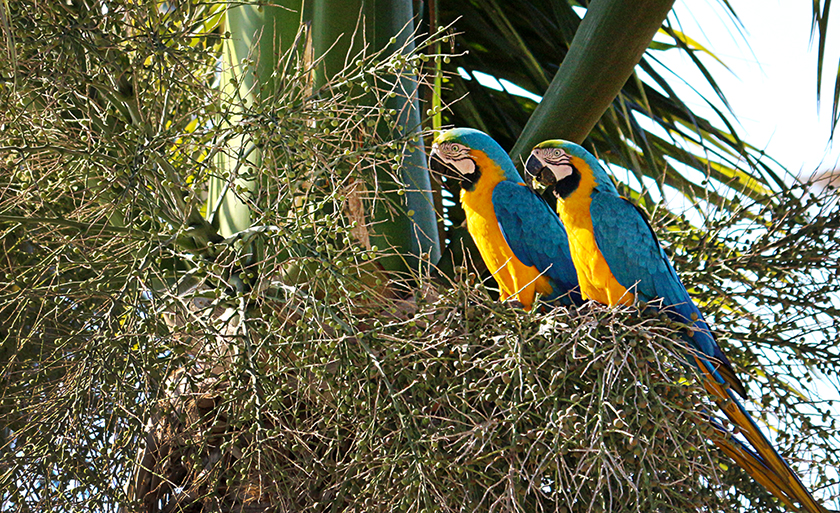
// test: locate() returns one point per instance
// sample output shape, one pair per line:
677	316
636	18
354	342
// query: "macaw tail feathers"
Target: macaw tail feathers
729	376
758	470
763	463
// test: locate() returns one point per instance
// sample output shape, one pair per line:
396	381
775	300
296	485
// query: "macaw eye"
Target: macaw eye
557	153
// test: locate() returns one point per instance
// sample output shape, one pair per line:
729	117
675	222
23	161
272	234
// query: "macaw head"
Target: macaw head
467	154
563	166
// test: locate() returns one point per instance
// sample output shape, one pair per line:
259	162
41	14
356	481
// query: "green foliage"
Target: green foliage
105	169
648	128
336	43
148	361
768	279
819	27
607	46
451	403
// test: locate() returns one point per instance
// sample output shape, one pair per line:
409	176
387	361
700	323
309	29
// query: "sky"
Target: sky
771	81
769	77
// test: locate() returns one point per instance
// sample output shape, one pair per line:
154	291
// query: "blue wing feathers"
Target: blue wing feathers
634	256
535	235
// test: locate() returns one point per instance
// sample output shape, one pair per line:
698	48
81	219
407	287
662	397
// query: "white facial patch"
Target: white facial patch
456	156
558	161
561	171
465	166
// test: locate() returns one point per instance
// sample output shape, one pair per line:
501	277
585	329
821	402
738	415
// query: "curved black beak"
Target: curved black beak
536	170
533	166
440	167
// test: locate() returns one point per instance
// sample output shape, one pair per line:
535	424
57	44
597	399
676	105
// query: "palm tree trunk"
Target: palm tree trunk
334	23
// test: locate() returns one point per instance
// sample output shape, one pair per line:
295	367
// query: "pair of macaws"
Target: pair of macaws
601	247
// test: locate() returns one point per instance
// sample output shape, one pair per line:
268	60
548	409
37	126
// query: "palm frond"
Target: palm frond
648	127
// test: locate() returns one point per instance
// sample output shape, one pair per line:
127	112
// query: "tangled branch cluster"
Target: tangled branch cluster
149	363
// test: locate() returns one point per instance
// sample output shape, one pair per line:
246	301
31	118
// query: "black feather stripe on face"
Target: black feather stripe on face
467	182
567	185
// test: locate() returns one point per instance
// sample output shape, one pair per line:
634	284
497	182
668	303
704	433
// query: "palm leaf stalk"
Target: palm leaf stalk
604	52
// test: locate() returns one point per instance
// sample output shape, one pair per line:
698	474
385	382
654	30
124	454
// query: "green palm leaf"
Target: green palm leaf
588	81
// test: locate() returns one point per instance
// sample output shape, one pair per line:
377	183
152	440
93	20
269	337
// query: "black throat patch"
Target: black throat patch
566	186
468	181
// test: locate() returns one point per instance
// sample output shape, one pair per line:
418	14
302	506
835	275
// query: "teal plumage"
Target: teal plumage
542	245
618	257
517	233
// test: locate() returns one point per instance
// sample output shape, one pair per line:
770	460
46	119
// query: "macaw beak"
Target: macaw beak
540	173
437	165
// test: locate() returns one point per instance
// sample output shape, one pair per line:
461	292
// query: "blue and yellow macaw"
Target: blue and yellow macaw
619	261
518	235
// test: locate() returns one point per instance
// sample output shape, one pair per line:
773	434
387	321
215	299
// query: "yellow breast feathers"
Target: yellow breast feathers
514	278
596	280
